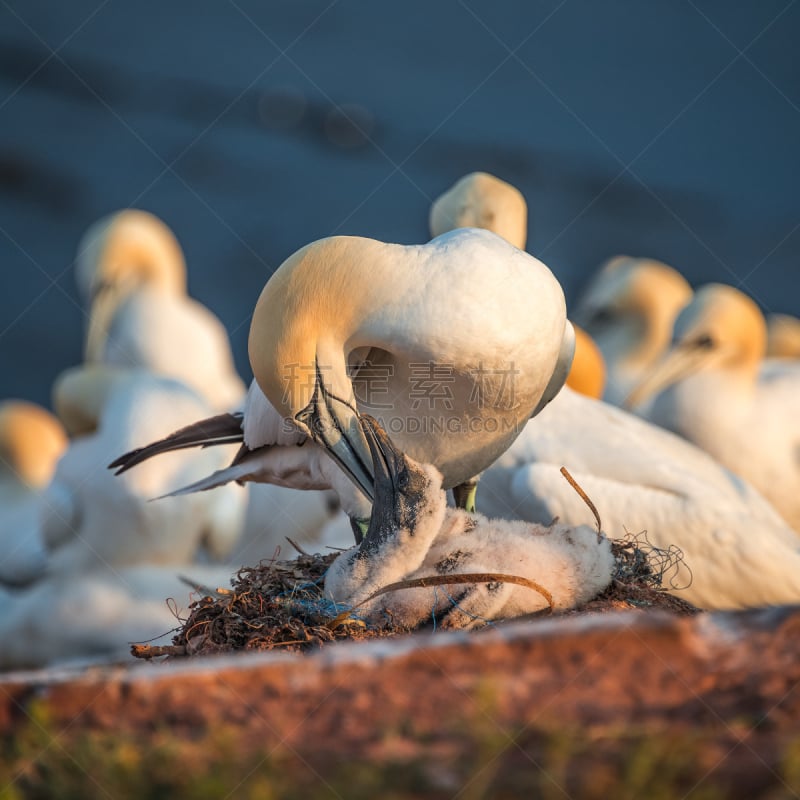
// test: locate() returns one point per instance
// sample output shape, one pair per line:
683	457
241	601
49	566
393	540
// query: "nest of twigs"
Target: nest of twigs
642	571
281	605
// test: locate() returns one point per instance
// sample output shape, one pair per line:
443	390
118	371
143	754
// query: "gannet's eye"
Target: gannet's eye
704	342
602	316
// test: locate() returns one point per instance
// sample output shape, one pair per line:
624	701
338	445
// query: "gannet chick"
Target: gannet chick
91	617
629	308
480	200
453	344
31	442
131	274
783	336
90	520
715	392
412	534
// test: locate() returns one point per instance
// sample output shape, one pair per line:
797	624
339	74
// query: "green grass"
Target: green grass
471	761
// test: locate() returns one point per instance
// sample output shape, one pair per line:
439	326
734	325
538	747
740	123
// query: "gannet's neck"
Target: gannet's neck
308	311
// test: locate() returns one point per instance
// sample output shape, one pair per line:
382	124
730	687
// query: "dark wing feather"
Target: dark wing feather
222	429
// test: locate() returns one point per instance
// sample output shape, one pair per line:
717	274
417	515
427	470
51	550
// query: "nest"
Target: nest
281	605
642	570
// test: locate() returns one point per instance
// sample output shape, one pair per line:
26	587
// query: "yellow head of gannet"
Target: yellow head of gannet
721	329
629	309
480	200
31	442
456	341
119	254
783	336
587	375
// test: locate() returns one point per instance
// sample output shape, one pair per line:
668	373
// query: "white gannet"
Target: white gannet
716	391
452	345
96	616
31	442
412	535
480	200
629	308
131	274
738	551
89	520
783	336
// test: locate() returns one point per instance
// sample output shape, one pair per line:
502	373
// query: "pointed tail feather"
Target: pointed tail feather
235	472
222	429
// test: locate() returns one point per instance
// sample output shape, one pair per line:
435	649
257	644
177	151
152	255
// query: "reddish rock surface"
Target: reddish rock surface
730	678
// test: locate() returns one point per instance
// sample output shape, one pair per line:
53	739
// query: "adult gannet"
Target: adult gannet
738	552
412	535
31	442
95	616
131	274
716	392
452	345
89	520
783	336
480	200
629	308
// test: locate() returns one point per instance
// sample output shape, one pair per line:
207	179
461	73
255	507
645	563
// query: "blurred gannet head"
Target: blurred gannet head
629	308
783	336
480	200
118	255
31	442
587	374
721	328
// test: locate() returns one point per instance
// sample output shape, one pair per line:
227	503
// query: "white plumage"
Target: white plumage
89	519
96	616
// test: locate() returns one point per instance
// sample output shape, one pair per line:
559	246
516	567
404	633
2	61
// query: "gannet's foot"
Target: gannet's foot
359	527
464	495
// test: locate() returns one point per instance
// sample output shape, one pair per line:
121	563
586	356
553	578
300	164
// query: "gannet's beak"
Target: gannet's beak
685	359
399	486
335	423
